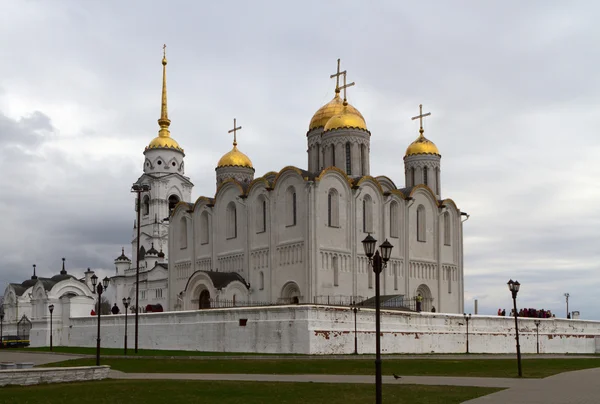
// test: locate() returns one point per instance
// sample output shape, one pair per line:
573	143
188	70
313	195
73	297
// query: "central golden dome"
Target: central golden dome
346	119
165	142
329	110
235	158
422	146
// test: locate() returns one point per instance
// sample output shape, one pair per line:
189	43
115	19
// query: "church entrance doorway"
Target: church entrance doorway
290	294
427	298
204	300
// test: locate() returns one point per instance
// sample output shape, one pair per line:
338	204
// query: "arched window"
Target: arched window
421	225
333	208
183	233
395	267
412	177
142	252
394	219
204	229
261	280
363	160
425	172
333	155
173	201
261	215
437	181
231	221
348	159
291	206
367	214
336	271
146	205
447	230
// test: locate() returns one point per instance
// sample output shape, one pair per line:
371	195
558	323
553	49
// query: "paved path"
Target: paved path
37	358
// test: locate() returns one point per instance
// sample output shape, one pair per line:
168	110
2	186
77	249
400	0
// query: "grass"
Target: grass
532	368
178	391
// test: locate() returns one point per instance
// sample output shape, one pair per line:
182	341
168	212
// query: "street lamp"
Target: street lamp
126	303
355	310
514	289
1	325
99	289
467	318
378	262
51	308
537	335
138	189
567	298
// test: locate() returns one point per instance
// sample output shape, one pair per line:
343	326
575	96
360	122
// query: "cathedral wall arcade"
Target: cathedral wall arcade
314	329
300	236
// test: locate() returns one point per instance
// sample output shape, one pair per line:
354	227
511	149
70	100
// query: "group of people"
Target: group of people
115	310
528	313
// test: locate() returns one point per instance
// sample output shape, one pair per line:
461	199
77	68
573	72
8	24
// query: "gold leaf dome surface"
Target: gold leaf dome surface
422	146
346	119
329	110
164	142
235	158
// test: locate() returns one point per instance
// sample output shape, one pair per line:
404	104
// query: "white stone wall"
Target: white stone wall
309	329
28	377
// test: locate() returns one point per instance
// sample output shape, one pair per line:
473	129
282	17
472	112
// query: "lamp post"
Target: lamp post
1	326
537	335
51	308
99	289
355	310
378	262
138	189
567	298
467	318
126	303
514	289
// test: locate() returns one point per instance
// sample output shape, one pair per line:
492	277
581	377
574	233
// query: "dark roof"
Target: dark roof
19	289
61	277
221	279
123	257
152	251
406	191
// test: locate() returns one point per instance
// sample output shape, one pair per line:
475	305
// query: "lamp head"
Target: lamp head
369	245
94	280
128	301
105	282
51	308
386	250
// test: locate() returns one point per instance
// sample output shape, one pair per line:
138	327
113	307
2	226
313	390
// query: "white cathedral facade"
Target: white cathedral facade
295	235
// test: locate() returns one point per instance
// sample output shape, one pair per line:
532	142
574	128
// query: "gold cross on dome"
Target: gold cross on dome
420	118
337	77
234	130
345	86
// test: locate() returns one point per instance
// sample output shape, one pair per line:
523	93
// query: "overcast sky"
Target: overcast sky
513	88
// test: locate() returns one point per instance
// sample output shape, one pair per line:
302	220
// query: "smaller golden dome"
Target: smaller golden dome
327	111
422	146
164	142
346	119
235	158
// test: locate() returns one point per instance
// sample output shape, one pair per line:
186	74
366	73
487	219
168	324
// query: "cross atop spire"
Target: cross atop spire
420	118
234	130
337	77
344	87
164	120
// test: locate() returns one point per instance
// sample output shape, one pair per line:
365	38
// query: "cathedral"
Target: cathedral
295	235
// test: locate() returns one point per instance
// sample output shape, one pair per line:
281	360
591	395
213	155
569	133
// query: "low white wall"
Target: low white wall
27	377
312	329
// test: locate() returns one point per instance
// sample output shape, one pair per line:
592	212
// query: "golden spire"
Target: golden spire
164	120
420	118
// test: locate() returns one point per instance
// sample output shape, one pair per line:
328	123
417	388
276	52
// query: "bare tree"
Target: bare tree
104	306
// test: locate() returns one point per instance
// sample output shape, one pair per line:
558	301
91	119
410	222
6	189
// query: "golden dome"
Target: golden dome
347	118
327	111
165	142
422	146
235	158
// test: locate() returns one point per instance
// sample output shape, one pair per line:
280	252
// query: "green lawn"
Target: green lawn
414	367
178	391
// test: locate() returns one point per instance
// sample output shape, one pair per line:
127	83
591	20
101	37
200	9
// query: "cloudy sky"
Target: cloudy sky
513	87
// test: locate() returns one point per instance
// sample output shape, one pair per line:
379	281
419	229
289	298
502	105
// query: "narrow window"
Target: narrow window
146	206
364	212
336	272
395	266
333	210
333	155
183	234
367	214
394	219
363	162
204	230
412	177
348	159
449	280
437	181
261	283
447	231
294	209
329	209
264	215
231	221
421	223
261	216
291	206
425	169
173	201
